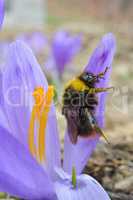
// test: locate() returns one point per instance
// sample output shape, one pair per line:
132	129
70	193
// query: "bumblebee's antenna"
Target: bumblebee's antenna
101	75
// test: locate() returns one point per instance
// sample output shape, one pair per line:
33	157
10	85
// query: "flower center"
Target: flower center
39	115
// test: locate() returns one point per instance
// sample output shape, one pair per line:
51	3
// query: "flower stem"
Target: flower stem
74	179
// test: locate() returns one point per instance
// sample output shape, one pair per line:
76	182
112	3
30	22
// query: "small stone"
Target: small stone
124	184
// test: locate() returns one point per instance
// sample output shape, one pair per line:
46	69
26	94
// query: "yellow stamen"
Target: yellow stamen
43	123
39	98
40	113
37	94
31	131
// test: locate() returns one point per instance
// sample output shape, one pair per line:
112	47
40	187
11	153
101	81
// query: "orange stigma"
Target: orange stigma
39	114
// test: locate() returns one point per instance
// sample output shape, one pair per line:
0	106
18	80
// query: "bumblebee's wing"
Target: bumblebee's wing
71	117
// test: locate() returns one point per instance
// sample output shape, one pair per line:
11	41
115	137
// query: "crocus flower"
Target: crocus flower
36	40
64	48
101	58
30	158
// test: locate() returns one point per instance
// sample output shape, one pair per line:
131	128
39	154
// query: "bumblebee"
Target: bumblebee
79	105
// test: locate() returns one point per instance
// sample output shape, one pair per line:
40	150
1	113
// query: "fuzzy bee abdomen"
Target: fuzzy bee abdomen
78	108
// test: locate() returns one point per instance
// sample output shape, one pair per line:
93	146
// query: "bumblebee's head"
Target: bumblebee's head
88	78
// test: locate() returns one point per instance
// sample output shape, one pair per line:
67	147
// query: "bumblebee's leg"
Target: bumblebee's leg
98	130
95	126
102	74
98	90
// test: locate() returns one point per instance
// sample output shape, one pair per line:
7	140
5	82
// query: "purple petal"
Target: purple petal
24	73
37	41
3	120
64	48
3	117
100	59
103	55
87	189
2	4
1	91
20	174
77	155
52	144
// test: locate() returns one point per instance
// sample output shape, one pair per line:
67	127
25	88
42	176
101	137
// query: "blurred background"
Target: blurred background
40	23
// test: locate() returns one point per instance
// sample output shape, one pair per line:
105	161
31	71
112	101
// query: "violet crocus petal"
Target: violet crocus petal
64	48
77	155
1	91
100	59
20	174
100	111
2	4
103	55
53	153
24	73
87	188
3	118
36	40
